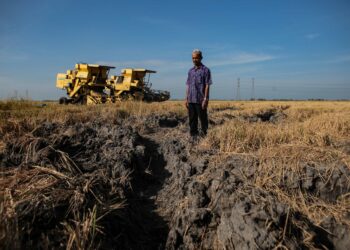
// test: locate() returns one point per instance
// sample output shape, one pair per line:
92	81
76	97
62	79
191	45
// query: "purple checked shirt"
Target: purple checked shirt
196	81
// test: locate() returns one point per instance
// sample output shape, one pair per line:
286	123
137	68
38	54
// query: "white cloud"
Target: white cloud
275	47
4	79
312	36
241	58
7	56
153	64
339	59
170	65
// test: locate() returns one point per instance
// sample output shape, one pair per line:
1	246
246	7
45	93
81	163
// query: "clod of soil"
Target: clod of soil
221	209
273	115
168	122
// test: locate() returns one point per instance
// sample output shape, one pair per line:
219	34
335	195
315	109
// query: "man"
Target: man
197	94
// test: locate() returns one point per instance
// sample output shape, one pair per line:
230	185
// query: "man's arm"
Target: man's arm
206	96
206	92
187	90
208	82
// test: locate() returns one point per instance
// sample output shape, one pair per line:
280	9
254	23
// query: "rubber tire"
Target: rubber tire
63	100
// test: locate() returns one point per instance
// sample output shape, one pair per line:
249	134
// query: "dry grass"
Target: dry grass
313	133
17	118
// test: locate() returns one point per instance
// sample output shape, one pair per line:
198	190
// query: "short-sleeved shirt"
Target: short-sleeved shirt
196	80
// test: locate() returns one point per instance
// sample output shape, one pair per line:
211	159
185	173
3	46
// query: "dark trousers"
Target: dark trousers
194	111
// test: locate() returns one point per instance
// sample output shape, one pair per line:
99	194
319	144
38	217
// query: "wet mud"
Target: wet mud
94	166
150	188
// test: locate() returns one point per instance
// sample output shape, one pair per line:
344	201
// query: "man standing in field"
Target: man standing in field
197	94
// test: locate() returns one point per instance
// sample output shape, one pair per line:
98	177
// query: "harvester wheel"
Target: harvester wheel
83	100
138	96
125	96
63	100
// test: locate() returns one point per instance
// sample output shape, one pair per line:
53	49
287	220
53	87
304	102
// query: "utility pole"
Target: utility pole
233	98
238	94
253	90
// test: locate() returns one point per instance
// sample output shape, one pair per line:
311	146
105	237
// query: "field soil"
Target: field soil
131	181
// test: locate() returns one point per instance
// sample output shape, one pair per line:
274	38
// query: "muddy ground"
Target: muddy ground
119	185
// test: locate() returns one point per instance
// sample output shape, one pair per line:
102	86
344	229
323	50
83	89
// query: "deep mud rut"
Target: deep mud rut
171	194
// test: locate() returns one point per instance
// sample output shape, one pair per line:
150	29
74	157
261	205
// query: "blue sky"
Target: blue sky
293	49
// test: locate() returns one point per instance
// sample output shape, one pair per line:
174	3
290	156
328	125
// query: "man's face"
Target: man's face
196	59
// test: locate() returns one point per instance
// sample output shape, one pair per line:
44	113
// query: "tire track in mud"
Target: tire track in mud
218	207
175	195
98	167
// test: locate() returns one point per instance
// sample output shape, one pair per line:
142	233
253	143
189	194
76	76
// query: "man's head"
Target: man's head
197	57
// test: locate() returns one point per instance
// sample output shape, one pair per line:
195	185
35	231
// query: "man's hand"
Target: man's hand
186	103
205	104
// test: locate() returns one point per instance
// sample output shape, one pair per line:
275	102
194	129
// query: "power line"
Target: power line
253	89
238	94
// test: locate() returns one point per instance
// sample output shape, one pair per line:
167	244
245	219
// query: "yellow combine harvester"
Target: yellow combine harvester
89	84
85	84
132	85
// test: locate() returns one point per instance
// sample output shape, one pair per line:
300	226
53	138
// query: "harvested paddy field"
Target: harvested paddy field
268	175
